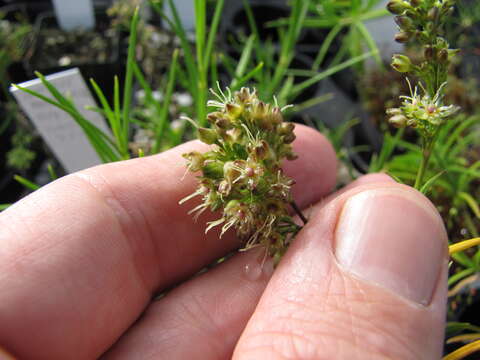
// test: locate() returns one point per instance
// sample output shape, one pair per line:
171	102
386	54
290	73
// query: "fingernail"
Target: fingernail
394	238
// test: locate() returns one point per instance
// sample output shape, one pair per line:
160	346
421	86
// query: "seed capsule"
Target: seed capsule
433	14
208	136
399	121
286	128
443	56
404	22
402	37
233	111
223	124
289	138
212	117
394	111
428	52
401	63
396	7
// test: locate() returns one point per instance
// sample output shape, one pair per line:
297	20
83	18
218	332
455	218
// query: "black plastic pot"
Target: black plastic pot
341	108
15	71
31	9
235	21
102	72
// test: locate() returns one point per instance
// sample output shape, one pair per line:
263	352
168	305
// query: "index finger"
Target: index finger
81	257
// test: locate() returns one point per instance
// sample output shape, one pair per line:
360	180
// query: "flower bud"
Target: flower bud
223	124
272	119
212	117
212	169
432	13
402	37
286	128
259	110
394	111
443	56
289	138
243	95
396	7
208	136
428	52
291	156
233	110
404	22
401	63
399	121
415	3
260	150
412	123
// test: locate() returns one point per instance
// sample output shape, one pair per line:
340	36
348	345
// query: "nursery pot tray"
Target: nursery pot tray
95	52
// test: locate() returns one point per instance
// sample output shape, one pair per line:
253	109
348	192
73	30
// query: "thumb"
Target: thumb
365	279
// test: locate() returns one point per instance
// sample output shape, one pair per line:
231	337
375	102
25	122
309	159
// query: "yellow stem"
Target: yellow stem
463	351
463	245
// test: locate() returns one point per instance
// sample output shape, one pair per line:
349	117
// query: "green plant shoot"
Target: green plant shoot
421	21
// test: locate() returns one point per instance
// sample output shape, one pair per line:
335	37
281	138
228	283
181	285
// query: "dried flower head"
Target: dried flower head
241	175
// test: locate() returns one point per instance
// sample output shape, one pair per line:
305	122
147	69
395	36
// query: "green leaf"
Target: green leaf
27	183
52	172
4	206
127	90
453	328
428	184
324	74
471	202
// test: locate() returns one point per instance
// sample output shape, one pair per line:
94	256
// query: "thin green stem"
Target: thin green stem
426	153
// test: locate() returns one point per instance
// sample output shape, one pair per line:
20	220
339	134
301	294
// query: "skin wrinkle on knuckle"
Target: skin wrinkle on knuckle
129	224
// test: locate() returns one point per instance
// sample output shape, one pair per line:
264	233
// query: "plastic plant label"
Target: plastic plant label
64	136
186	12
72	14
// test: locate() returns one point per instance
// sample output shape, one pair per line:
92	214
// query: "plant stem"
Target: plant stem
421	169
299	212
428	143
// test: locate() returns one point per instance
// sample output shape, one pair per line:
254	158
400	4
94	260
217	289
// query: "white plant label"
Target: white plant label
64	136
186	12
72	14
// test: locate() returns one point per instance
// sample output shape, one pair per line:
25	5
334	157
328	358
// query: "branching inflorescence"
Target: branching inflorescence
422	21
241	175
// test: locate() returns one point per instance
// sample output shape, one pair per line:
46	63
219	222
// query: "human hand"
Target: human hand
81	259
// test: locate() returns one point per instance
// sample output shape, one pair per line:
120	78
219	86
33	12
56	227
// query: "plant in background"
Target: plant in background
13	37
242	176
442	137
20	156
347	19
424	109
272	64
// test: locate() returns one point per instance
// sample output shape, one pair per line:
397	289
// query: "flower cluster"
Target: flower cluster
241	175
421	111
